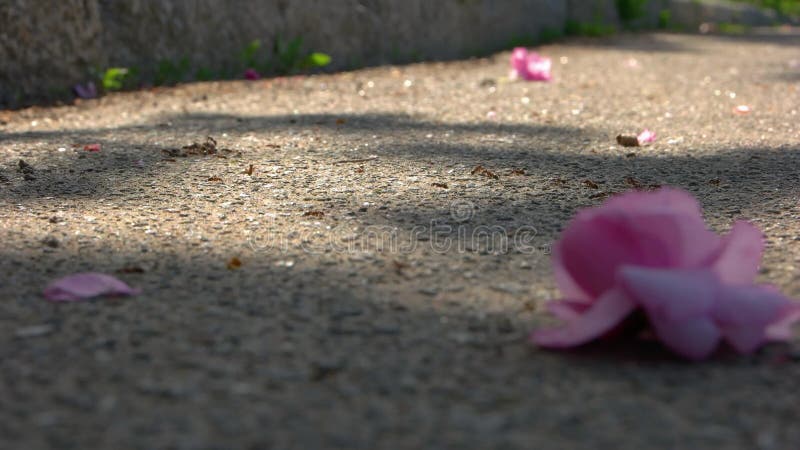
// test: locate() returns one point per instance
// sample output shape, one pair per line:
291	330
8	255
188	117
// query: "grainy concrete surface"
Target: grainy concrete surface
350	324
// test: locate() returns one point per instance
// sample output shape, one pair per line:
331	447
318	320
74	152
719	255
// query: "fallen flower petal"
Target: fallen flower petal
85	91
651	252
92	147
83	286
530	66
646	137
252	74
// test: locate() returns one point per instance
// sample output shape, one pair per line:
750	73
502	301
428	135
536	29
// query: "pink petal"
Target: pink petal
674	200
591	250
601	317
667	239
251	74
646	137
519	59
670	295
694	339
678	304
740	254
86	285
600	240
566	284
92	147
538	68
567	309
530	66
670	216
86	91
743	313
781	329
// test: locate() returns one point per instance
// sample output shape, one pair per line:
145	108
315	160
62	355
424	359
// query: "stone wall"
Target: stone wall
47	46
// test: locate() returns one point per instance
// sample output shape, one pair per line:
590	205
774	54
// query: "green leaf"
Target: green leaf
114	77
317	59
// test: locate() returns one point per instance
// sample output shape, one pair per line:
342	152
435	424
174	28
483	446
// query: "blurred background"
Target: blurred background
55	51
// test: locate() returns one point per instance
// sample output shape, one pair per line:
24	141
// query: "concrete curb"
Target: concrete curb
47	47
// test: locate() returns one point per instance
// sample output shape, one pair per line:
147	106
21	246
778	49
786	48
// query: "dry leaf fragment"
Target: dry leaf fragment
440	185
209	147
633	182
517	172
174	153
249	170
715	182
24	167
215	179
628	140
234	263
480	170
340	121
317	214
589	183
359	169
400	267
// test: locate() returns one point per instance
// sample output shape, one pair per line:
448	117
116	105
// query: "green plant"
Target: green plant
522	40
732	28
550	34
114	78
169	72
785	7
317	59
664	18
249	55
204	74
573	28
285	57
629	10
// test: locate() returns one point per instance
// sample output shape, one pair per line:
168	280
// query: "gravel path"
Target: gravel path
370	310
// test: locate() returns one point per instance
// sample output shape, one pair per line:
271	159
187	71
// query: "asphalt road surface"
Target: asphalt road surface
323	278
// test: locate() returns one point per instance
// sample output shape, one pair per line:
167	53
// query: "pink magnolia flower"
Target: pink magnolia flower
646	137
651	252
530	66
86	285
252	74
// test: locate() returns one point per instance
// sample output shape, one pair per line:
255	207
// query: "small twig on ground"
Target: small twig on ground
345	161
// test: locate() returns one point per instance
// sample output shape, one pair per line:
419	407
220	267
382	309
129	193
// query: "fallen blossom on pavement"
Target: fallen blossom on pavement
646	137
530	66
86	90
92	147
650	255
252	74
81	286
